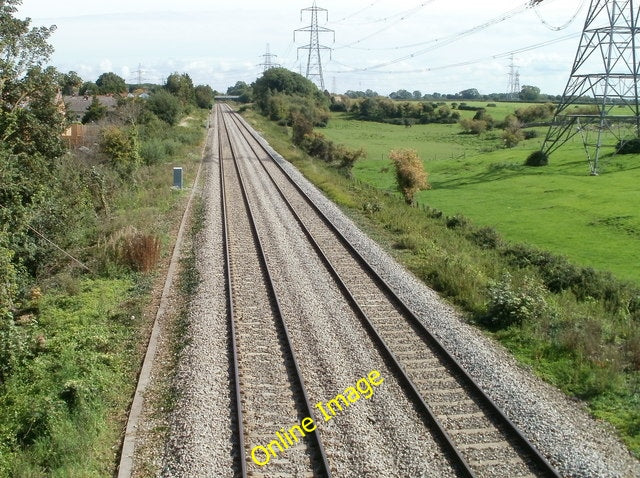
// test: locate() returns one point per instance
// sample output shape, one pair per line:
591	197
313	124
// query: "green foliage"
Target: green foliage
534	113
410	174
165	106
529	93
630	146
181	86
510	304
242	90
95	112
121	147
204	96
301	127
89	88
110	83
70	83
473	126
389	111
537	158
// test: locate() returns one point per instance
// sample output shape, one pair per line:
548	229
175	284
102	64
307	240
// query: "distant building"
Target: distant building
77	105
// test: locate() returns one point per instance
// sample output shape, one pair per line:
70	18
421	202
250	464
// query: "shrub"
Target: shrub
301	127
473	126
165	106
535	112
410	174
512	137
152	151
631	146
457	221
537	158
486	237
510	304
121	147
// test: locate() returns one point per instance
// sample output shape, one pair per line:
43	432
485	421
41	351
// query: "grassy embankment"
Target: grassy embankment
583	335
63	410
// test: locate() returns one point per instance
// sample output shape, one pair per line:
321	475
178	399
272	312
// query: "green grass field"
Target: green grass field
593	221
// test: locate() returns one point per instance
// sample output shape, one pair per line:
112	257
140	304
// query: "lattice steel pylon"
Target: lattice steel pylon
268	60
514	81
314	59
605	72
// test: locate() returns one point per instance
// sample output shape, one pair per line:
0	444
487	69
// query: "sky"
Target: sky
442	46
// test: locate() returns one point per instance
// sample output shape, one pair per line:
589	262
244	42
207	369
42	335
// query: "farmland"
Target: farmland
593	221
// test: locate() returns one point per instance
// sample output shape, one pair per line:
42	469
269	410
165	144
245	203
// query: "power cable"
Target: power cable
564	25
404	16
342	20
442	41
463	63
448	40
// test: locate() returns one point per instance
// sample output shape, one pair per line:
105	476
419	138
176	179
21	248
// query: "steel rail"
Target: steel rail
425	411
320	457
511	430
232	329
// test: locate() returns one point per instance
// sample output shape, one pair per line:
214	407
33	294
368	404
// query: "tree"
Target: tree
281	80
95	112
110	83
89	88
204	96
417	95
529	93
121	147
469	94
181	86
31	123
70	83
410	174
165	106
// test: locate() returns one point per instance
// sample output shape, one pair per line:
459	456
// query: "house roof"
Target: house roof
79	104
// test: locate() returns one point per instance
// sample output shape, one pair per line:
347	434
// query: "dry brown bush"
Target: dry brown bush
410	174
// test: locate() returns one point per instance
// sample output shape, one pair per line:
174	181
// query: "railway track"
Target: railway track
269	391
476	435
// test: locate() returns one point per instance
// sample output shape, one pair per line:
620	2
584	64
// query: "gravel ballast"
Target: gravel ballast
562	429
380	436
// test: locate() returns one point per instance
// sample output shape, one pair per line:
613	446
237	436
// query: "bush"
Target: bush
121	147
473	126
410	174
537	158
486	237
631	146
510	304
165	106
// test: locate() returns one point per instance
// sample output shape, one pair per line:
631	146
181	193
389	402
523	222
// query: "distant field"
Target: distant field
594	221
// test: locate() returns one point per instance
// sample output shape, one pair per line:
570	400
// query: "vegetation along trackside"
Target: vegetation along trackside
540	258
86	219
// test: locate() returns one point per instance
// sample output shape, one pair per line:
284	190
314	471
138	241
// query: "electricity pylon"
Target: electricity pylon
604	74
314	60
514	81
268	62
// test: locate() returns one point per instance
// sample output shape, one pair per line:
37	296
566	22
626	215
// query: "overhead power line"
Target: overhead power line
462	63
403	17
564	25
